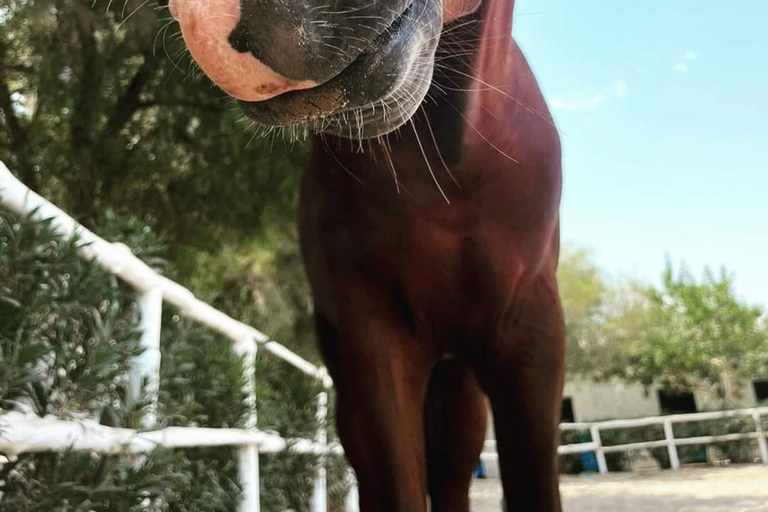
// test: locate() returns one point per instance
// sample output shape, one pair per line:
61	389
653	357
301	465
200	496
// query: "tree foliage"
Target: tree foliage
67	332
102	113
100	109
699	333
582	292
685	334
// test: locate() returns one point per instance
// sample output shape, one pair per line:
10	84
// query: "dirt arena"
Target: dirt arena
729	489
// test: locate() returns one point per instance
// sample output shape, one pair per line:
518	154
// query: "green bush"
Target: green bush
620	461
67	328
735	451
571	464
67	332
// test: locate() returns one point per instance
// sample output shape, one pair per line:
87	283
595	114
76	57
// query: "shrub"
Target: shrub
734	451
67	332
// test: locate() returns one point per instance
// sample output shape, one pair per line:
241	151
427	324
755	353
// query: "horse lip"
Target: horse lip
308	92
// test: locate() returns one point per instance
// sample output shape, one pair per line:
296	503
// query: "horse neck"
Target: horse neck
483	113
483	87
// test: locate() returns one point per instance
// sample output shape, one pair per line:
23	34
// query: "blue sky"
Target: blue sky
664	112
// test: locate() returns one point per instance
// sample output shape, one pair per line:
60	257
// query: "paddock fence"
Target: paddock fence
23	433
670	442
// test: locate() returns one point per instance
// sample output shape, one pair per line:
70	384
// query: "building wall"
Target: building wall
595	401
613	399
705	401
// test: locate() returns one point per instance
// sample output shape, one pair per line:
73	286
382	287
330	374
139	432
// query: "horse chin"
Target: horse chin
376	94
390	112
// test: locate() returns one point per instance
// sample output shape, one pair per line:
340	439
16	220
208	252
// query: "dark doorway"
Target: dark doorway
761	390
566	411
676	402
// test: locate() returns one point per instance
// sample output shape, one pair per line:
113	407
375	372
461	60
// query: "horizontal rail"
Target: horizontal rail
490	448
669	442
566	449
120	261
22	433
575	426
660	420
724	438
577	448
643	445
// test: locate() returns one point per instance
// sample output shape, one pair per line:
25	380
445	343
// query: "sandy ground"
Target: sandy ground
729	489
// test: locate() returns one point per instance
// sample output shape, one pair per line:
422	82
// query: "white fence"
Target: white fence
670	442
22	433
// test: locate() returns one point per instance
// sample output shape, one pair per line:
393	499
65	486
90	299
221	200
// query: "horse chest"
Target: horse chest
454	265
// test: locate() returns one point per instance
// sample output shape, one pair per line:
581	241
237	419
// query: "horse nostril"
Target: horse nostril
223	48
162	3
238	38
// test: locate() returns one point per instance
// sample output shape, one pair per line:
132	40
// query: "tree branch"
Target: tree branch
84	117
130	101
177	103
16	68
19	136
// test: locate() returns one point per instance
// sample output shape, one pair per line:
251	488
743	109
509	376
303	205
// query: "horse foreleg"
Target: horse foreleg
456	420
522	373
381	383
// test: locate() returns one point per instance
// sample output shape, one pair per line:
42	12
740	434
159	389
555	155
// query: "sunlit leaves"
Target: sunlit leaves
688	333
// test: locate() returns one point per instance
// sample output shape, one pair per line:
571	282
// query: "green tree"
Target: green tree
99	109
688	333
698	333
582	292
602	316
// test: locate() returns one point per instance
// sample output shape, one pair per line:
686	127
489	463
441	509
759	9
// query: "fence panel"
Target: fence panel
669	442
23	433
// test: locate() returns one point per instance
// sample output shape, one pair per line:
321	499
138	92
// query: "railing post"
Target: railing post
248	456
145	368
248	474
761	440
352	503
319	494
602	466
669	435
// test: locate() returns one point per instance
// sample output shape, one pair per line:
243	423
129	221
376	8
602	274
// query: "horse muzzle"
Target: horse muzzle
296	63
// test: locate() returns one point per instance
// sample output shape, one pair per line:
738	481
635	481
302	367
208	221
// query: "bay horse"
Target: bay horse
429	222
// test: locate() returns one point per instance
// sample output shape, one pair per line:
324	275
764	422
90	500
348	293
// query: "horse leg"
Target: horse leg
522	373
456	418
380	388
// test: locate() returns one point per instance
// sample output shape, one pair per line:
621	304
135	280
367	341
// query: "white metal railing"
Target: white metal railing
670	442
24	433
